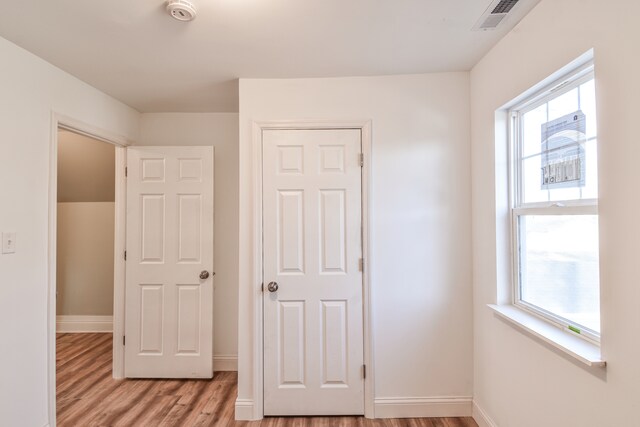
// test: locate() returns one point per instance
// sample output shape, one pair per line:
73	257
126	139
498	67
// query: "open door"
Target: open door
169	262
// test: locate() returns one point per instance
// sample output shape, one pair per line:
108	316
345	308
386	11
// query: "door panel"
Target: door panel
332	231
189	302
151	324
290	223
169	308
189	240
291	321
334	343
313	328
152	228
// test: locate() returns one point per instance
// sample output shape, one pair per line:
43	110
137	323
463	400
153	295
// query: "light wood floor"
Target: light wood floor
88	396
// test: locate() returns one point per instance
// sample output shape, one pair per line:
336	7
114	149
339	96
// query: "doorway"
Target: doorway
85	230
87	201
185	169
85	263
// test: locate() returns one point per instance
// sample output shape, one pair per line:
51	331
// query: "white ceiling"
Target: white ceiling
134	51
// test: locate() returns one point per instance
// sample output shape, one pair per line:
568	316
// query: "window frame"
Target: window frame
518	208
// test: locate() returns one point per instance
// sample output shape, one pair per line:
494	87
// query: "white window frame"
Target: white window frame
565	207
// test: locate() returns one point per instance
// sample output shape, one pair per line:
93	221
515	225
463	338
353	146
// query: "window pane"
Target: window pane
532	181
531	135
564	104
558	149
588	107
587	186
559	272
590	190
568	193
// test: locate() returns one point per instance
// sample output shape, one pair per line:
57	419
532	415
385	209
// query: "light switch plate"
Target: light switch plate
8	243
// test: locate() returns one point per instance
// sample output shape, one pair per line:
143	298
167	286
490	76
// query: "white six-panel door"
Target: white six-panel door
313	324
169	307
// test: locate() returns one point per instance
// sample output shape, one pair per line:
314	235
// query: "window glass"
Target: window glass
590	190
588	105
532	189
559	266
531	125
571	148
563	104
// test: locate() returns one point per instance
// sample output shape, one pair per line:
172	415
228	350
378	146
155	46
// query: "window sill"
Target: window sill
582	350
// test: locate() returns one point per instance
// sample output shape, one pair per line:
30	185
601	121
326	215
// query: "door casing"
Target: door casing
255	407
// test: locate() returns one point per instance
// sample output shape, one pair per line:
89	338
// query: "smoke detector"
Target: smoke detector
182	10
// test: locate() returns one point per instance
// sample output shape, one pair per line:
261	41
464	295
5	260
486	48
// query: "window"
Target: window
554	188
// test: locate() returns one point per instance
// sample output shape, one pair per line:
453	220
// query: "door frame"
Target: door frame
257	271
60	121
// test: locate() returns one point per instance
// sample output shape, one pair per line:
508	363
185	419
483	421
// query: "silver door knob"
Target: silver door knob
272	286
204	274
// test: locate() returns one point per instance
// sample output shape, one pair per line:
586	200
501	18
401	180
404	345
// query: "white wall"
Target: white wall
421	272
85	231
86	169
85	259
31	89
219	130
518	381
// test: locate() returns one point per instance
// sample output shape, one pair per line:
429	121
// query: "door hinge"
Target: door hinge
124	340
364	371
125	255
361	264
361	159
126	172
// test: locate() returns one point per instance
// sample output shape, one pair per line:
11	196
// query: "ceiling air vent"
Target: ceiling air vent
504	6
497	11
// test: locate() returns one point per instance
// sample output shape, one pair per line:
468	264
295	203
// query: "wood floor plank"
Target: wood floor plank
199	401
121	401
175	416
461	422
149	412
87	395
87	405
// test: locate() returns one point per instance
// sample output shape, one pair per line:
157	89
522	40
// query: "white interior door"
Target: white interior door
313	325
169	283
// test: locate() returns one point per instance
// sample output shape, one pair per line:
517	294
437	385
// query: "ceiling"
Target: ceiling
134	51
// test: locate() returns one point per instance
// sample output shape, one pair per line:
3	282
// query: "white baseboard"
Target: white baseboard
396	407
418	407
244	410
79	324
481	417
225	362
